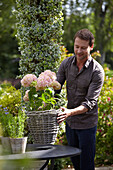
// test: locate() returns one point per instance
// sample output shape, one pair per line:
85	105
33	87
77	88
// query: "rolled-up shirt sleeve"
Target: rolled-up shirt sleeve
61	76
94	89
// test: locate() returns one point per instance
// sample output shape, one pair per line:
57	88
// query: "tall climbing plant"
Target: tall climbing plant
39	31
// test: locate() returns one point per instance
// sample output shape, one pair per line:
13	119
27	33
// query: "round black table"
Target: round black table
43	152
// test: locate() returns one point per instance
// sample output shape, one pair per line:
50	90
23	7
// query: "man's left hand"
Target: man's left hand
63	114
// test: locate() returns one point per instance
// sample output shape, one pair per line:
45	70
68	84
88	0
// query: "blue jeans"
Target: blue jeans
85	139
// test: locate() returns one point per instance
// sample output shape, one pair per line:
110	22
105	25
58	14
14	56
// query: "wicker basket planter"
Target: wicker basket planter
43	126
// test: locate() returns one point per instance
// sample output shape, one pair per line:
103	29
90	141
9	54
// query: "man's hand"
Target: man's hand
70	112
63	114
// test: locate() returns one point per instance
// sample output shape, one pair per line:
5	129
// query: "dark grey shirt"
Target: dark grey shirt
83	88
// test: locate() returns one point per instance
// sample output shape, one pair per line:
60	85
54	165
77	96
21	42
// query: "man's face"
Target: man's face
81	48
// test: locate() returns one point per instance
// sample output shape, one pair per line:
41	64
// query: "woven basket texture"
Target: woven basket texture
43	126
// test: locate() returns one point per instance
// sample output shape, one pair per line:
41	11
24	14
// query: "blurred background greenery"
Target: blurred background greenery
92	14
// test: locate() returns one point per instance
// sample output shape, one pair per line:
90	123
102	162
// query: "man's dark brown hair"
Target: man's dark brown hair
85	34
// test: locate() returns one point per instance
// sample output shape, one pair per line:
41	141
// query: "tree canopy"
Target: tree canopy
8	43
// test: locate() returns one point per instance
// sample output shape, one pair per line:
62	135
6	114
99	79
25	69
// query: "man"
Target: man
84	79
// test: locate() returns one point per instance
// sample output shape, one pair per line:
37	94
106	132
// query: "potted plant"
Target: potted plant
12	117
16	129
4	118
42	106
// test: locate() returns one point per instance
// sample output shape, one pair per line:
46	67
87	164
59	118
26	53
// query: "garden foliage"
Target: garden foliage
39	31
104	146
10	97
12	115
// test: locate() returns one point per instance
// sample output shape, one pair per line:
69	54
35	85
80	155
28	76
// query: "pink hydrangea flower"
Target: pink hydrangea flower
51	74
28	79
43	81
56	85
47	79
26	97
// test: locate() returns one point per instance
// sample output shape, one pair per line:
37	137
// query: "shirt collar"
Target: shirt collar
86	63
74	60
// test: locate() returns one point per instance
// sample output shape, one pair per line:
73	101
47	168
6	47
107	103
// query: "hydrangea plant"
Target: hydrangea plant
40	95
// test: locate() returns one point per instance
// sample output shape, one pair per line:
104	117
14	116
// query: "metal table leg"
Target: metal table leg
46	163
52	164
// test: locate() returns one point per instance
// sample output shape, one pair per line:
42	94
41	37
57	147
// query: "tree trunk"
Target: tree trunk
103	54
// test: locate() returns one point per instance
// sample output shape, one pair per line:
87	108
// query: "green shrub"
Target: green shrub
39	31
10	97
12	115
105	122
